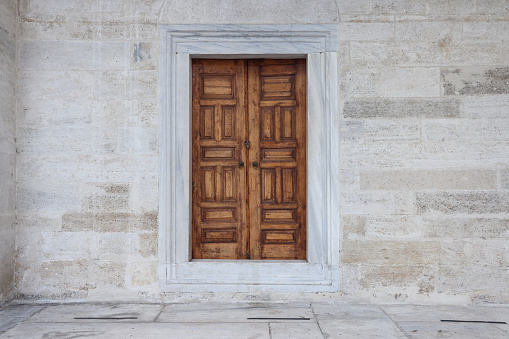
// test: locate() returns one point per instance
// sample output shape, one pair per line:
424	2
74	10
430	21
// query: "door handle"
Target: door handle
241	163
255	164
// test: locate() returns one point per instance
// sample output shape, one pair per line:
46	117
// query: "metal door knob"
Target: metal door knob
241	163
255	164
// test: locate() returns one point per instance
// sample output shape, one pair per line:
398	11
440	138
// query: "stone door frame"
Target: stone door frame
178	45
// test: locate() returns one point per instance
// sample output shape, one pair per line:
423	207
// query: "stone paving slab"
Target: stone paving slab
11	315
301	330
492	313
230	320
413	313
347	311
360	328
137	330
91	313
435	329
258	312
504	328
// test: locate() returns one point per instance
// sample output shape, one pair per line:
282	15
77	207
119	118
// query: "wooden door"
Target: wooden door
249	159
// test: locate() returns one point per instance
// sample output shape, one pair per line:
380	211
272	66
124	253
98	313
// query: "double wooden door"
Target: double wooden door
249	159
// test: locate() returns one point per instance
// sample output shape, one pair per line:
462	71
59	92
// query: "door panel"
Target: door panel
257	211
219	204
277	186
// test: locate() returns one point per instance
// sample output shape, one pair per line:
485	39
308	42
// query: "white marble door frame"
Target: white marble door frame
316	43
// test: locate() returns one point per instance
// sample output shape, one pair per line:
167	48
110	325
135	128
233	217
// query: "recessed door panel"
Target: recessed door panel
249	159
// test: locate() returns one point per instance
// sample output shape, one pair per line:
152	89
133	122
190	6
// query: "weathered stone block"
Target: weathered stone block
63	6
115	246
63	245
138	140
452	7
429	179
36	113
410	82
145	84
485	30
145	196
428	30
465	228
471	53
349	180
56	85
44	26
467	155
398	275
60	168
354	7
245	12
55	55
475	80
351	130
65	141
377	203
113	222
148	113
399	7
462	203
391	252
145	10
424	53
353	226
63	198
401	108
143	273
109	222
360	82
487	107
112	85
113	113
77	222
393	227
383	130
479	280
61	279
106	197
113	55
465	130
111	27
148	244
367	53
475	253
143	56
496	7
378	155
365	31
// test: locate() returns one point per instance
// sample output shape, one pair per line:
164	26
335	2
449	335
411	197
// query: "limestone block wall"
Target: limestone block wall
425	150
424	144
7	148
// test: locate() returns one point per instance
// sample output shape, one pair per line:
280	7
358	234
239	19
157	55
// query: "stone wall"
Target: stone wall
7	147
424	144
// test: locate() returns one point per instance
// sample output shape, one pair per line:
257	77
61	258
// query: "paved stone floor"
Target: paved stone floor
251	320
